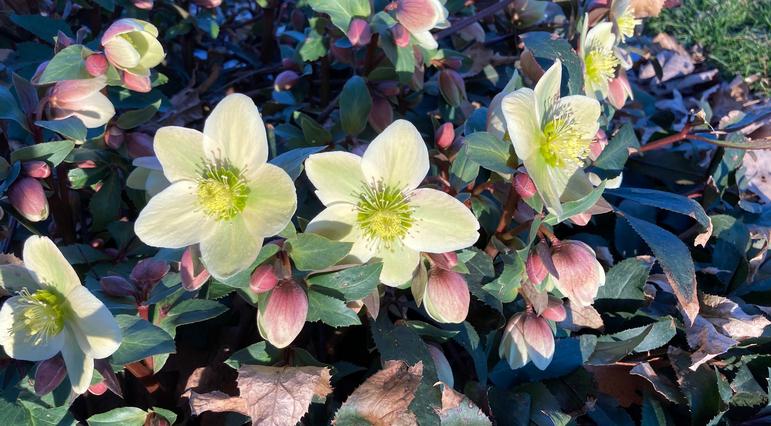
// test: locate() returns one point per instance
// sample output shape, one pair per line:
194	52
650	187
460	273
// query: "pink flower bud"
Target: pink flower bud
36	169
286	80
87	164
381	114
417	15
401	35
49	375
445	135
388	88
524	186
288	63
135	82
114	137
96	64
580	274
208	4
446	261
143	4
29	199
443	368
191	269
284	314
540	341
263	279
554	311
619	90
116	286
535	268
446	297
513	346
97	388
598	144
139	145
359	32
82	99
148	272
452	86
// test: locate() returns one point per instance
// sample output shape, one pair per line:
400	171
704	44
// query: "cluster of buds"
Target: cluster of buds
132	47
442	291
528	336
26	193
147	273
569	266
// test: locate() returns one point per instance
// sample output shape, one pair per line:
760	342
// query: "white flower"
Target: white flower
52	312
622	13
373	202
599	57
223	194
551	135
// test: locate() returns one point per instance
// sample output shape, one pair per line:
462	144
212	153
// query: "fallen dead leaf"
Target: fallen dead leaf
660	383
581	317
459	409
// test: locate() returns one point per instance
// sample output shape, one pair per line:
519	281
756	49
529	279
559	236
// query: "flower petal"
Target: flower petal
397	157
94	327
235	132
547	90
522	123
150	48
18	344
80	367
272	201
601	37
540	341
46	262
14	277
336	175
425	39
338	222
586	112
94	110
180	152
121	53
229	248
550	181
399	262
173	218
442	223
122	26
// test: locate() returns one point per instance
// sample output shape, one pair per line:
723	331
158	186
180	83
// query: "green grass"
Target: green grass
733	33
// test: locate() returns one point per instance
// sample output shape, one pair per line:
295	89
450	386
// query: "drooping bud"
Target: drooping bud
446	261
452	87
286	80
446	297
97	388
401	35
284	313
513	347
381	114
619	89
445	135
535	268
540	341
554	311
192	270
524	185
443	368
359	32
580	274
96	64
114	137
137	83
139	145
263	279
36	169
117	286
148	272
29	199
81	99
49	375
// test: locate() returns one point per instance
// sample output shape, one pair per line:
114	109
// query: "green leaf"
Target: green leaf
68	64
506	287
491	152
123	416
51	152
313	252
661	332
312	48
427	330
292	161
130	119
625	280
43	27
355	104
258	353
190	311
675	259
608	352
351	283
70	127
105	203
313	132
664	200
9	108
141	339
572	208
329	310
463	170
342	11
544	46
466	413
614	156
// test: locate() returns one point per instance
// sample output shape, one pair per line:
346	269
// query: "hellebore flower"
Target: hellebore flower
223	194
444	292
191	270
580	274
132	47
27	196
622	14
147	176
373	202
419	17
81	99
496	122
359	33
551	135
527	337
52	312
600	60
281	317
619	90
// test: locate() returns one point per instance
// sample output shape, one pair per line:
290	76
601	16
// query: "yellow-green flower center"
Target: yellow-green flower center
562	144
600	65
626	23
383	213
222	192
40	315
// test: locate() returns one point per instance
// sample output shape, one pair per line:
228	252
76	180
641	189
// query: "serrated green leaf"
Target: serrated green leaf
130	119
351	283
329	310
141	339
625	280
664	200
68	64
544	46
123	416
311	252
342	11
190	311
52	152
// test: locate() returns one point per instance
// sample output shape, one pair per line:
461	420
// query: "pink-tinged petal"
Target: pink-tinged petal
443	368
36	169
69	91
143	4
535	268
554	311
121	53
263	279
359	32
117	286
136	82
513	346
447	296
417	15
401	35
540	341
121	26
445	136
96	64
283	316
524	186
446	261
29	199
580	274
619	90
192	270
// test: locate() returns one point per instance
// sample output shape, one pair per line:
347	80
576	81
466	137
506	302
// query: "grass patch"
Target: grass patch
733	33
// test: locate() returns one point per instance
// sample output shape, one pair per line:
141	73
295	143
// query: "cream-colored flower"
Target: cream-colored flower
622	14
551	135
374	202
599	57
52	312
223	193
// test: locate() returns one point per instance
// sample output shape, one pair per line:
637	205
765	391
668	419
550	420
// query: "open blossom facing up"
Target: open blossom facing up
223	193
132	47
551	135
374	202
419	17
600	59
622	14
82	99
52	312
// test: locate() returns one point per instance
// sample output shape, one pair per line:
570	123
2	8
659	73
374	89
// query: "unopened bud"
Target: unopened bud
49	375
554	311
29	199
191	269
284	314
96	64
139	145
401	35
445	135
36	169
135	82
580	274
447	297
381	114
148	272
263	279
286	80
524	186
116	286
114	137
452	86
535	268
446	261
359	32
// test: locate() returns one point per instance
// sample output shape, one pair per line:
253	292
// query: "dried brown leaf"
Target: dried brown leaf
217	402
459	409
647	8
581	317
660	383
